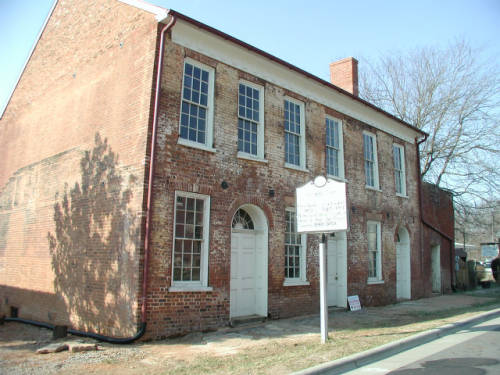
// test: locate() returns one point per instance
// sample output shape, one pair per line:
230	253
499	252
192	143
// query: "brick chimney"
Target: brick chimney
344	74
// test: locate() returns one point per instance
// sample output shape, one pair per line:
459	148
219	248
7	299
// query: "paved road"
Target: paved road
472	351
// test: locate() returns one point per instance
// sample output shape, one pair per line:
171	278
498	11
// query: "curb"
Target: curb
357	360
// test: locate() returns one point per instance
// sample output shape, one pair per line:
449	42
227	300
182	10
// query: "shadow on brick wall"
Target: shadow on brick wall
93	247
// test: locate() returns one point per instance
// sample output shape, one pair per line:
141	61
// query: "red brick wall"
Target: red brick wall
193	170
91	73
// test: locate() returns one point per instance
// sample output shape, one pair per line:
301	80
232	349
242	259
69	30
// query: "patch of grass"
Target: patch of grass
284	356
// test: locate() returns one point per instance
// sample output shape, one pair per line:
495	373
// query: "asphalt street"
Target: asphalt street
475	350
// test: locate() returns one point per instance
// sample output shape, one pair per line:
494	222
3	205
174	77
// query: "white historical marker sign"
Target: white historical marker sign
321	206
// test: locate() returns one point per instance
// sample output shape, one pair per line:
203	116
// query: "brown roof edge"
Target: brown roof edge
288	65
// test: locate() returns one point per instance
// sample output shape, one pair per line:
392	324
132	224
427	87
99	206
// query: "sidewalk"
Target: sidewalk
274	347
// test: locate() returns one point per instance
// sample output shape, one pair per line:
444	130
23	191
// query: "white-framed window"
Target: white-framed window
374	251
334	148
398	153
371	163
295	250
250	120
197	105
191	238
295	143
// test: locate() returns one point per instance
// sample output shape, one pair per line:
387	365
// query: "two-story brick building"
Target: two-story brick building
149	167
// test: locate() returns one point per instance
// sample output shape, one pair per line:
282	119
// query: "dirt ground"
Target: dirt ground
274	347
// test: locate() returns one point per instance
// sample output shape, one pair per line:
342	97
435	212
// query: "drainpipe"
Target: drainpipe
142	329
151	169
427	224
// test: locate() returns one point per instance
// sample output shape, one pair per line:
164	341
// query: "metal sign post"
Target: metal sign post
322	208
323	305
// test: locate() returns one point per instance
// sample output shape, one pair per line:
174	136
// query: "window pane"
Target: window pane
204	88
177	274
195	274
197	72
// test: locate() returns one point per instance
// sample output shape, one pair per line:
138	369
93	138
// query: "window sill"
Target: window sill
184	142
244	155
402	196
341	179
375	282
193	288
296	167
296	283
373	188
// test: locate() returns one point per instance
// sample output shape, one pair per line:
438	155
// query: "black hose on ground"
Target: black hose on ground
95	336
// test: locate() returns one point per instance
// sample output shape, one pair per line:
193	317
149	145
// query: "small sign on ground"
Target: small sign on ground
354	303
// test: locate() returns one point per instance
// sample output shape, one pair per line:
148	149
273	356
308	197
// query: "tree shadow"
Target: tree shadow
93	247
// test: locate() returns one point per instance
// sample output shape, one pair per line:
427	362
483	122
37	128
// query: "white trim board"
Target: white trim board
192	37
159	12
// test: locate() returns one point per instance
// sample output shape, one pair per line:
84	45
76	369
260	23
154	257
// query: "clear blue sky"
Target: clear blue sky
308	34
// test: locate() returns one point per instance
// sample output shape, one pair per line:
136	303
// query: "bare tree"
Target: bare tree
453	95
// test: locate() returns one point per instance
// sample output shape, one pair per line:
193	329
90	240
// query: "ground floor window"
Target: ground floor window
295	245
190	252
374	251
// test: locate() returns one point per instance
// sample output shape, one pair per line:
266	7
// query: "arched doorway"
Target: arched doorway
403	265
249	254
337	269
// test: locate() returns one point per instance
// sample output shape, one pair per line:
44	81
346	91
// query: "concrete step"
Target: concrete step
247	320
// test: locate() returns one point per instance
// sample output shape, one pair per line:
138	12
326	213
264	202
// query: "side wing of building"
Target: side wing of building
73	144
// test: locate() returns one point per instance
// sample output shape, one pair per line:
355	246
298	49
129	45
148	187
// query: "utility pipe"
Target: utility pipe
151	168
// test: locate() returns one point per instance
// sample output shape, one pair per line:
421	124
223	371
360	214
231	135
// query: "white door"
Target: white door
337	270
436	269
403	265
243	298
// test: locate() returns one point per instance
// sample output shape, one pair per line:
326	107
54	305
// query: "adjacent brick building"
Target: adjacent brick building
438	239
91	238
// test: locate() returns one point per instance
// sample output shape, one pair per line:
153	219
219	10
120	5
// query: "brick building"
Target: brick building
94	236
438	239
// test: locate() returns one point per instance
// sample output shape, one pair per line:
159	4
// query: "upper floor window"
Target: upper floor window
196	123
374	251
398	152
190	252
295	146
250	120
370	156
334	148
295	245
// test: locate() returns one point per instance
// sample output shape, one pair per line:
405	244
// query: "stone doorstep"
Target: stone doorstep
246	320
72	346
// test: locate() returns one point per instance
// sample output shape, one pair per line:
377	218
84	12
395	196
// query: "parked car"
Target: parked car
484	274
